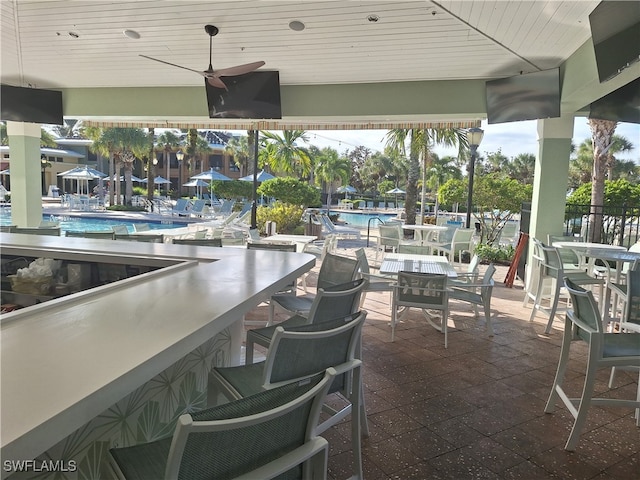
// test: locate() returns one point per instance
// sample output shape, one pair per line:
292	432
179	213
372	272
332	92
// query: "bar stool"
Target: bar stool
552	268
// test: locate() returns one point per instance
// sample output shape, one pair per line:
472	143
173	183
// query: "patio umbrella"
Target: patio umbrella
5	172
346	189
198	183
395	191
261	177
82	174
210	175
133	178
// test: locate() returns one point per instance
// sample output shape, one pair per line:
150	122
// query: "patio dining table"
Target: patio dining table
392	263
425	233
607	253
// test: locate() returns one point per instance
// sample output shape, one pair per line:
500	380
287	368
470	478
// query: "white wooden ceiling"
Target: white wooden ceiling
68	43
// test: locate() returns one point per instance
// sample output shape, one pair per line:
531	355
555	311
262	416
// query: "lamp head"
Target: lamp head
474	137
43	159
180	155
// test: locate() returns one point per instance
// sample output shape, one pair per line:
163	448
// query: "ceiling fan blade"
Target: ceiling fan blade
174	65
238	70
216	82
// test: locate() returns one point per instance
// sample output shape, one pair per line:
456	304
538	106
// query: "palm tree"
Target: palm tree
521	168
420	143
123	146
602	138
287	157
331	167
239	148
167	143
70	129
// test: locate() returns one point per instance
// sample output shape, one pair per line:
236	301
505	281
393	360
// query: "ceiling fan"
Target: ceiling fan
213	77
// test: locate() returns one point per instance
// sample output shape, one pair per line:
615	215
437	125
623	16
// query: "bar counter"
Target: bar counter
68	360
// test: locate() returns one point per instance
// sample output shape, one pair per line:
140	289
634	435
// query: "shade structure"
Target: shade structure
210	175
346	189
5	172
198	183
157	181
396	191
82	175
262	176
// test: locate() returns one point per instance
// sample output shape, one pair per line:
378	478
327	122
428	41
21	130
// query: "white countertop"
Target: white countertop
67	360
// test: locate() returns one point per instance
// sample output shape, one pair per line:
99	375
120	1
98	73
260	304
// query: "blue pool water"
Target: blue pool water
362	219
81	224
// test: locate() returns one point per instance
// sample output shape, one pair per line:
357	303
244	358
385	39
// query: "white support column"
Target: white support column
551	177
24	162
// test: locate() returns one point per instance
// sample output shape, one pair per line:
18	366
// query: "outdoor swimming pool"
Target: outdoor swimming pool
81	224
362	219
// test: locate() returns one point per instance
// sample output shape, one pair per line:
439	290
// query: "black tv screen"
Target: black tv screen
615	32
252	95
530	96
621	105
32	105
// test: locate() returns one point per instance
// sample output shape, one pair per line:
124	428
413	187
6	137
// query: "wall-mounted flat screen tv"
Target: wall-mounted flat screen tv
615	32
621	105
252	95
32	105
530	96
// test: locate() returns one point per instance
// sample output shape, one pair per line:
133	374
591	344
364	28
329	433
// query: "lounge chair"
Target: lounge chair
182	207
200	209
328	227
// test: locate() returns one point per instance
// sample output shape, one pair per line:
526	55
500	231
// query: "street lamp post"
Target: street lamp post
474	137
180	157
44	163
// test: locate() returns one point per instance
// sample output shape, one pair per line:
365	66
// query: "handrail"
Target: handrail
369	226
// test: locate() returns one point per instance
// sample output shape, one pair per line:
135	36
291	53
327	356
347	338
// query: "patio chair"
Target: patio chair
8	228
181	208
630	320
620	290
570	258
120	229
141	227
509	233
151	238
373	282
103	234
584	324
552	269
260	436
469	293
52	231
299	352
200	209
426	291
332	302
334	270
198	242
461	242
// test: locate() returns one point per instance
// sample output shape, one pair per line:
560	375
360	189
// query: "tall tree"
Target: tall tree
71	128
331	167
602	138
420	142
167	143
239	148
287	156
358	157
521	168
123	146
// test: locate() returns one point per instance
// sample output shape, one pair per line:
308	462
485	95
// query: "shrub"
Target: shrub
287	217
495	254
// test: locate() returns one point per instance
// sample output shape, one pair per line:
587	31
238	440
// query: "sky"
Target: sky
512	138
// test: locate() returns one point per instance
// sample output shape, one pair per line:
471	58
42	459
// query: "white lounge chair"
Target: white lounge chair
328	227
